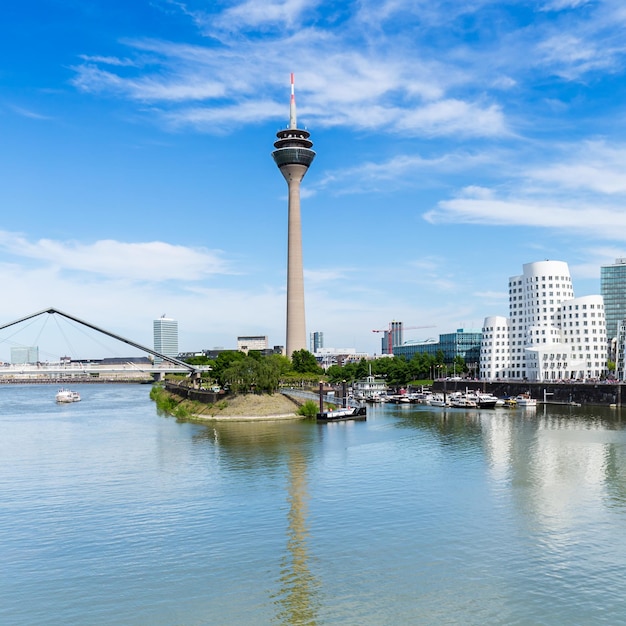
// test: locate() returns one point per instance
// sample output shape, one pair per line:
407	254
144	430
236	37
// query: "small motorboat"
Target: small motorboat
67	395
343	414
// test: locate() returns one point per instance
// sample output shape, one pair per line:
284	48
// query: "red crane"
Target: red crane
390	331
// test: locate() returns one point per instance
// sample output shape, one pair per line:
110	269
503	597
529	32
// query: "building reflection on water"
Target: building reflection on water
278	446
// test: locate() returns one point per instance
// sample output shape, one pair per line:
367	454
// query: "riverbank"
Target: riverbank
246	407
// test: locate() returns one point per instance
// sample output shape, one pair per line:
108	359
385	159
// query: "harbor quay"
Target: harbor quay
604	393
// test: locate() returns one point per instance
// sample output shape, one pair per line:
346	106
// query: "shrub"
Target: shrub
309	409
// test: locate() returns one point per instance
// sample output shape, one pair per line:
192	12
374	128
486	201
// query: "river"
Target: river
112	514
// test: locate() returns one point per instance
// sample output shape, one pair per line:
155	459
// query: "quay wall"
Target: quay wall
199	395
600	393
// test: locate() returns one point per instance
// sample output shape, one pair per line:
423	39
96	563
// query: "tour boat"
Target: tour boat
67	395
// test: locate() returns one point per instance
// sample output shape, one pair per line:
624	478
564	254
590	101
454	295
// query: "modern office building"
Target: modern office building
25	355
463	343
620	352
165	337
317	341
393	336
293	156
245	343
549	334
613	290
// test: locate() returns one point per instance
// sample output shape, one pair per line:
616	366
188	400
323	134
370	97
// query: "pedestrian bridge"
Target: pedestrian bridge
85	369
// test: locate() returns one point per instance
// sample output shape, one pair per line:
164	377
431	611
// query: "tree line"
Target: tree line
254	373
398	371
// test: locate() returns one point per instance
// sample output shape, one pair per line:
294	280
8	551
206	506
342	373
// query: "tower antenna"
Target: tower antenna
292	106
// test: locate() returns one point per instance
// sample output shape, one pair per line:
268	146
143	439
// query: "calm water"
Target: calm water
113	514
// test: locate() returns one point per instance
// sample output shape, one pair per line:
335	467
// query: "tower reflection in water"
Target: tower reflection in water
298	587
264	446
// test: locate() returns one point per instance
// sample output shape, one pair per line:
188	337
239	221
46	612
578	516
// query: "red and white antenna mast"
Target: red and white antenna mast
292	106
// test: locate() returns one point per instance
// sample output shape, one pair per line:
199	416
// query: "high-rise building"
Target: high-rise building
613	290
165	337
549	334
394	336
317	341
293	155
23	355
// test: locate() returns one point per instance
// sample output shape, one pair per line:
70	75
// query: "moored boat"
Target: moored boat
439	399
343	414
488	401
524	399
463	402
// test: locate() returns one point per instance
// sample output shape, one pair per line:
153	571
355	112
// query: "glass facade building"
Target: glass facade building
613	289
25	355
462	343
165	338
317	341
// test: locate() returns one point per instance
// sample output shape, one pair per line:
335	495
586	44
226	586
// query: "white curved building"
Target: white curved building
549	335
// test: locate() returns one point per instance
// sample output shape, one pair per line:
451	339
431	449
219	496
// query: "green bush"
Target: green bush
309	409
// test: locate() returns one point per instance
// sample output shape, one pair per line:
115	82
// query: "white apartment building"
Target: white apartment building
549	334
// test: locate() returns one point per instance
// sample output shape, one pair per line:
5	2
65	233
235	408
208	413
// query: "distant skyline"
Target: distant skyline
455	142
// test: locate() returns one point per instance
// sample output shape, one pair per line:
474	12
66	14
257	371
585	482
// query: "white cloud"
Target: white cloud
606	223
596	166
263	13
153	261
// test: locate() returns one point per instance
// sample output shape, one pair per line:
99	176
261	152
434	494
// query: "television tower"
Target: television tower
293	155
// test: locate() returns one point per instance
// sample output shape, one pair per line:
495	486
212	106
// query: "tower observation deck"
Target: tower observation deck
293	155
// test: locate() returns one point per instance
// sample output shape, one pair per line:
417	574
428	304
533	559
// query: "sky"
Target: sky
455	142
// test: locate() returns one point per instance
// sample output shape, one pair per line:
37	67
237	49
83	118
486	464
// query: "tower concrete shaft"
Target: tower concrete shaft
293	155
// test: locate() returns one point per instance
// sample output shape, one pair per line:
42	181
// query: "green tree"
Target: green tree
304	362
458	365
252	375
223	362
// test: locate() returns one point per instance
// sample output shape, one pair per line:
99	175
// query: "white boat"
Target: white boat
343	414
438	399
524	399
67	395
463	402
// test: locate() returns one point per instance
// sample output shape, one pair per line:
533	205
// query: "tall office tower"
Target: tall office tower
613	289
165	337
293	155
394	336
549	334
25	355
317	341
397	336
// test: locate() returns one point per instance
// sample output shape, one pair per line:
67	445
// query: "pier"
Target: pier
592	392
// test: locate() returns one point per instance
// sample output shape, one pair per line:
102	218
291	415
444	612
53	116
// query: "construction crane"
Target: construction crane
390	331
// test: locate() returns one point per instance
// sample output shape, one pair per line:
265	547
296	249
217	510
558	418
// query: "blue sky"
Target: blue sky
455	141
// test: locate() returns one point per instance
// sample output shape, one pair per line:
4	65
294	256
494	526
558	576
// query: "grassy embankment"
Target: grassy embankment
245	405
